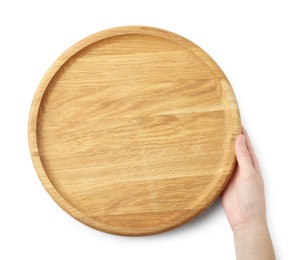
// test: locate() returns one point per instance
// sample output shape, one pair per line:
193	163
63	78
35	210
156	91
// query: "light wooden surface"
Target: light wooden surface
131	130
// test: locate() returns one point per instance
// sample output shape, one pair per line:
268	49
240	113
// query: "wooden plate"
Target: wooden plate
131	130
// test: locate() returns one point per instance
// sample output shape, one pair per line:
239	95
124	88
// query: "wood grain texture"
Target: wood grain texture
131	130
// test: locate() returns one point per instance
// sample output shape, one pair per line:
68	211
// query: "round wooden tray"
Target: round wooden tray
131	130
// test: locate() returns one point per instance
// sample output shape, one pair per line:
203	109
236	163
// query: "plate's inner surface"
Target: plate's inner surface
134	131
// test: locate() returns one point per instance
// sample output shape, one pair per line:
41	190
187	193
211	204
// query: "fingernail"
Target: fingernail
241	139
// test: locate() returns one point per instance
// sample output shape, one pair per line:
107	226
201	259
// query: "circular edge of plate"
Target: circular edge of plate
33	118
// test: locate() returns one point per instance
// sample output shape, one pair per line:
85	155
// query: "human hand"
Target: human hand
243	199
244	205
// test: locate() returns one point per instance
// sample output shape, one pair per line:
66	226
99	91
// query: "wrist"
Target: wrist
254	226
248	235
253	241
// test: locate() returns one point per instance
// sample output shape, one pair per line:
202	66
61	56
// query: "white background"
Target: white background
256	43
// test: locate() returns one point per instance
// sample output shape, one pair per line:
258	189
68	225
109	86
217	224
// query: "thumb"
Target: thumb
243	157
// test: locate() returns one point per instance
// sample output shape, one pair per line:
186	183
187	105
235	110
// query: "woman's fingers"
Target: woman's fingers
251	151
242	153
